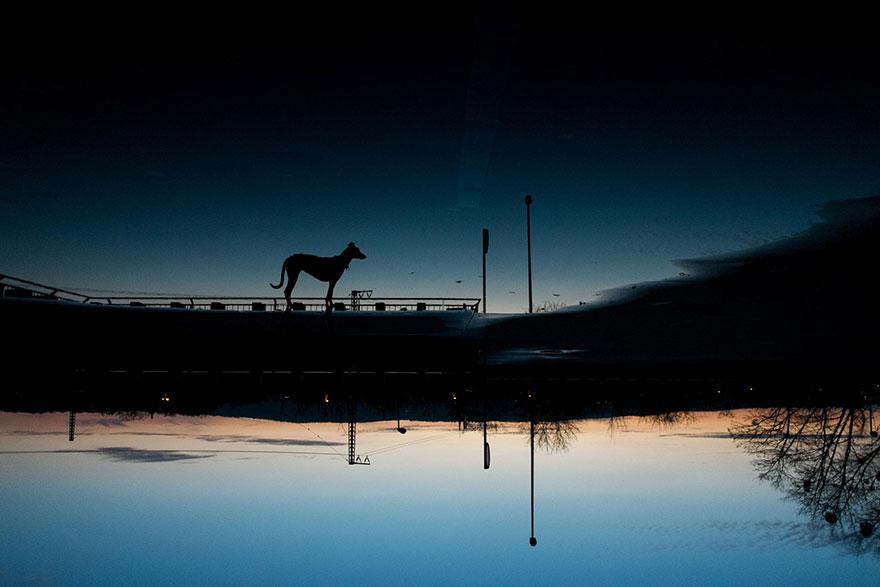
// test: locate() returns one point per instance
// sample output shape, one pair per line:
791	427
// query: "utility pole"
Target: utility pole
485	250
529	240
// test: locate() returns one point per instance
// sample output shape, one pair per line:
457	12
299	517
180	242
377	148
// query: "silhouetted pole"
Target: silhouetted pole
400	428
532	540
71	426
486	455
485	250
529	241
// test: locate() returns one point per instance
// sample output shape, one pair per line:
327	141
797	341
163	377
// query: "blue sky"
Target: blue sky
196	167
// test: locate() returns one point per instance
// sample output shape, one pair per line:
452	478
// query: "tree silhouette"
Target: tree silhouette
825	459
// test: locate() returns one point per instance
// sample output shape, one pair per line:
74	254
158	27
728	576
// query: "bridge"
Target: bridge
358	300
174	334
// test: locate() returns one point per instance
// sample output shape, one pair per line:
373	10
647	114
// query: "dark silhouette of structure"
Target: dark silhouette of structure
487	457
529	241
353	457
327	269
400	428
357	295
485	251
532	417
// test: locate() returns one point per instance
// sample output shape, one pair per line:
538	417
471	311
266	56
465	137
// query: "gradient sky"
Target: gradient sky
182	500
194	159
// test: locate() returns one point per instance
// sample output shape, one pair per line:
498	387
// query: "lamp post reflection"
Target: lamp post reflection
486	456
532	540
400	428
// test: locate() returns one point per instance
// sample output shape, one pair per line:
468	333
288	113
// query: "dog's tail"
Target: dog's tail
283	267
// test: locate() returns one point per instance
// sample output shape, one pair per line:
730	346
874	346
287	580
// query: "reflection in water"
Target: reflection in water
823	458
587	459
353	457
554	435
532	540
400	428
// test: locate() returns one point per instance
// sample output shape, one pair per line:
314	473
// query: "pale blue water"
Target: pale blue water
222	500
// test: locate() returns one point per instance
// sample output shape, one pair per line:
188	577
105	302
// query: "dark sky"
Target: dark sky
193	157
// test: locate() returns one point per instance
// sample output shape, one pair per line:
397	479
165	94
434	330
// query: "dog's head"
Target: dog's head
355	252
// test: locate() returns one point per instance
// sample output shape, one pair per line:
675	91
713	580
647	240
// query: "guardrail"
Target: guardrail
15	287
22	288
266	304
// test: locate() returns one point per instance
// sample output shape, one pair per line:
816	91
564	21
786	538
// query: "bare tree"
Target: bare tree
550	306
824	458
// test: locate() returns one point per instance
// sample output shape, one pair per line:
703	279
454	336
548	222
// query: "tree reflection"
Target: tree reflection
555	435
672	419
549	424
825	458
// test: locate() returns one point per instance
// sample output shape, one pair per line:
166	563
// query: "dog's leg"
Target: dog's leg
329	299
292	275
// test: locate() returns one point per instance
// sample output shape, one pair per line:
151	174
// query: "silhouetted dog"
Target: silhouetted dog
323	268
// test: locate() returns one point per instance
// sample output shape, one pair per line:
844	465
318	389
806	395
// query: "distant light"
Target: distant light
326	398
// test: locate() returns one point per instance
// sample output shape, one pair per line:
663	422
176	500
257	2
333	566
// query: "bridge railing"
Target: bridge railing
15	287
302	304
22	288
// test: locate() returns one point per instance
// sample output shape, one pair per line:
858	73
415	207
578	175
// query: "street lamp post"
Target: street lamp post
485	250
529	240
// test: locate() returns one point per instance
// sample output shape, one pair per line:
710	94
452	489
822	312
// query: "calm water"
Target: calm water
264	493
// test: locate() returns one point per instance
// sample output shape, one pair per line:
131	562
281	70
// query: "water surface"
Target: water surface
677	497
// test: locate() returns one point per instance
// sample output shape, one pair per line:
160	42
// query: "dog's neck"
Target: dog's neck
345	258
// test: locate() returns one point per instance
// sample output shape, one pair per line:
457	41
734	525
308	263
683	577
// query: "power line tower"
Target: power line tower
357	295
353	457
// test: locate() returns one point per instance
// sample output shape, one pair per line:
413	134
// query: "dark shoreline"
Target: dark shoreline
75	343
